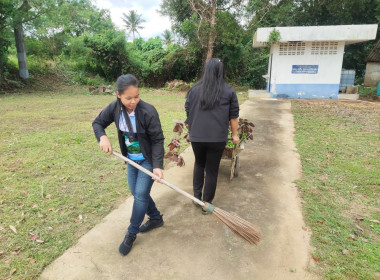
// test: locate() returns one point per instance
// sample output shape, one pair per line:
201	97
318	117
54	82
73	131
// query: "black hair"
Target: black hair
125	81
211	84
122	83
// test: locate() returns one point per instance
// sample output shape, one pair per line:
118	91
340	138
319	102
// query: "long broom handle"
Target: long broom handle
146	171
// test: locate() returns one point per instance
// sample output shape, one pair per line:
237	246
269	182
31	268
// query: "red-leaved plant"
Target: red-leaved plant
175	145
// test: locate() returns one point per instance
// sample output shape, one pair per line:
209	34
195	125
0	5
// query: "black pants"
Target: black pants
207	160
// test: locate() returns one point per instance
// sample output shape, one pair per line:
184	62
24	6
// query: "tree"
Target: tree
207	19
5	36
16	15
168	37
133	22
203	15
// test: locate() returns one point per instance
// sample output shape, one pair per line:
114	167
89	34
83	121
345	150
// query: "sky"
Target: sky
155	23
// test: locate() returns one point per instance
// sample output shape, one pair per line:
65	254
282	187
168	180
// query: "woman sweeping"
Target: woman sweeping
211	106
141	140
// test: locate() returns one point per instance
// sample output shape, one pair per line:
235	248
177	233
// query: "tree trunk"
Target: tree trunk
212	34
21	52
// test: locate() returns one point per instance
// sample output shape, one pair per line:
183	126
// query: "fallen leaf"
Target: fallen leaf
305	229
71	207
32	260
33	237
35	206
8	261
375	221
48	196
51	209
75	221
40	241
40	215
13	271
316	258
93	212
365	240
345	251
55	176
13	229
64	187
80	217
353	236
101	176
359	228
359	218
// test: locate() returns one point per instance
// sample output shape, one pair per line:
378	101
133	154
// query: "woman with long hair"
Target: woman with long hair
211	107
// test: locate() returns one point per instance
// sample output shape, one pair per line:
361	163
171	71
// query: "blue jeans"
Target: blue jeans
140	185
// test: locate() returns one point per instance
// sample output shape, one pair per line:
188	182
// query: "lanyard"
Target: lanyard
128	123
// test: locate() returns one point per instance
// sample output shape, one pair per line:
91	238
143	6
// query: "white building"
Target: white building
307	60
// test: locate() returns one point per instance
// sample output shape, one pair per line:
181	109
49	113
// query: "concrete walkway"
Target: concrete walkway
193	246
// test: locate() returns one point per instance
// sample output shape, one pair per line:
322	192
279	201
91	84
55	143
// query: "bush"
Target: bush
109	54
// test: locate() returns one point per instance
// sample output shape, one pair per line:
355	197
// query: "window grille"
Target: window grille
324	48
292	48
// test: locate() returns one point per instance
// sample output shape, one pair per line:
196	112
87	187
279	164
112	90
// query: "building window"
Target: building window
324	48
292	48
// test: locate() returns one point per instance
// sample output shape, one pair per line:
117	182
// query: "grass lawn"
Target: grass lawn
339	144
55	183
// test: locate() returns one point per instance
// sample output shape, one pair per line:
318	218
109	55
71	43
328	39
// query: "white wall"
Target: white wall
329	66
372	74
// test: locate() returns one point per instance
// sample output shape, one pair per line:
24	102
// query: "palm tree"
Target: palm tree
133	22
168	37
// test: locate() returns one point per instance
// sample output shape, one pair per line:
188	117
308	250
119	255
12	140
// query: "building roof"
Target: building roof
374	55
348	33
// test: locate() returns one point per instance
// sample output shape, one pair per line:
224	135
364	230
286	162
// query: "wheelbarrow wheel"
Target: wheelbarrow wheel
237	165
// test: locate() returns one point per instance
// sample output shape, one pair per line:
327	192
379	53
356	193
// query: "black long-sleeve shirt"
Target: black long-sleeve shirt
211	125
148	128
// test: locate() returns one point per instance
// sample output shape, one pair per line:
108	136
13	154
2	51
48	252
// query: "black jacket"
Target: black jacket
148	128
211	125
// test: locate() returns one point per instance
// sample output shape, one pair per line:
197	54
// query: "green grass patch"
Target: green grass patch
55	183
339	144
367	91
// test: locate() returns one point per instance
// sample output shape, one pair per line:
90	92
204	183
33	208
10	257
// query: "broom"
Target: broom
239	226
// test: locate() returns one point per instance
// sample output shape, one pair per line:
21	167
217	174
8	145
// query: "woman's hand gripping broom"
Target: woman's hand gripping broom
239	226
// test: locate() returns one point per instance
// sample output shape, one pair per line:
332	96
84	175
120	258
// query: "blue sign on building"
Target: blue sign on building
304	69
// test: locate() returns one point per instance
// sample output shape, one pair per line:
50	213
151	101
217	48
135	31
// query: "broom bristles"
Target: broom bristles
239	226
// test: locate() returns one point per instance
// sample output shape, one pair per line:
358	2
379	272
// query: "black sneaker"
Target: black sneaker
126	246
151	224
